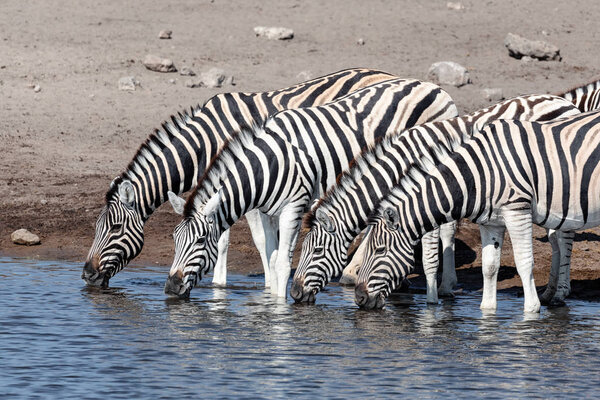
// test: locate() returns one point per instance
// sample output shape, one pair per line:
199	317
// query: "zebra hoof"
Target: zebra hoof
556	303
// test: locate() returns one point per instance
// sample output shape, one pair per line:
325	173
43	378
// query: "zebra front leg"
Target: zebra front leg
264	235
220	271
430	242
289	227
565	244
520	228
554	269
449	280
492	238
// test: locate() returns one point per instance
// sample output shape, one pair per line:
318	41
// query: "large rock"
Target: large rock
519	47
159	64
23	236
213	78
274	32
448	73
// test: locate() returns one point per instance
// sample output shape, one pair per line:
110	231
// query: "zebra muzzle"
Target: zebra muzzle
175	287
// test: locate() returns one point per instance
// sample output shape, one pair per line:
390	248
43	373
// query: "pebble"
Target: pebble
159	64
304	76
448	73
360	42
165	34
128	83
23	236
172	81
519	46
186	71
274	32
43	202
213	78
455	6
37	88
493	94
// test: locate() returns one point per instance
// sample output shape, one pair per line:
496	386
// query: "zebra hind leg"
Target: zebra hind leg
430	243
449	280
565	244
264	235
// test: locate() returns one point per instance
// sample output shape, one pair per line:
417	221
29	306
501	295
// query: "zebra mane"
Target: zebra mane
219	166
593	85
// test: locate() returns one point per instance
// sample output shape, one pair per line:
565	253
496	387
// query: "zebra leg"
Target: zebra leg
554	269
289	227
264	235
492	238
565	244
449	280
220	271
520	228
429	243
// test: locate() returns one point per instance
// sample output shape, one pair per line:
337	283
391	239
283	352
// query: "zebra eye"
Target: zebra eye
380	250
319	250
116	228
201	240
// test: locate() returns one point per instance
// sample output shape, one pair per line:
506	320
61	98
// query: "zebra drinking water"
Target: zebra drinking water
174	156
342	213
280	168
506	177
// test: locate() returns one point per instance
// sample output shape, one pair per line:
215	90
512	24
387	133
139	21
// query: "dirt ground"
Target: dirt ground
61	146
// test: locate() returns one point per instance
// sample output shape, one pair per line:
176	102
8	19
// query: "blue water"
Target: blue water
60	339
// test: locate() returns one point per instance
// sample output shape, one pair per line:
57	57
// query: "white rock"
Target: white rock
159	64
23	236
186	71
43	202
455	6
304	76
165	34
527	59
360	41
213	78
37	88
493	94
448	73
274	32
172	81
519	46
128	83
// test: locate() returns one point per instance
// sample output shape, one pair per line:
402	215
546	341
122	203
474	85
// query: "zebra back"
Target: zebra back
586	97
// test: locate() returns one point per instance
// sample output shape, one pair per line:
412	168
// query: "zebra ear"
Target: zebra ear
325	220
177	202
391	217
212	204
126	193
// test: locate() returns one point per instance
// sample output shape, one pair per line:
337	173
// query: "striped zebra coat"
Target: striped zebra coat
282	167
342	213
175	156
508	176
586	97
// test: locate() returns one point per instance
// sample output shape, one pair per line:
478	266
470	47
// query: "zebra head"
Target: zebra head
196	246
324	255
389	256
119	235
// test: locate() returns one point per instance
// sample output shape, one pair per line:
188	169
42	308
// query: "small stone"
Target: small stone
159	64
23	236
527	59
274	32
545	33
493	94
43	202
186	71
448	73
172	81
213	78
455	6
165	34
128	83
360	42
30	85
304	75
519	46
37	88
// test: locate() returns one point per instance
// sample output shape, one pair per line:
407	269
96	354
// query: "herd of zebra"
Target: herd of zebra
361	151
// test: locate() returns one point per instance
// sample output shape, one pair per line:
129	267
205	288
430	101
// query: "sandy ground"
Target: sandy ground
61	147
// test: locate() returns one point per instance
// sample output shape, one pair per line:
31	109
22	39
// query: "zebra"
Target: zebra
283	166
342	213
586	97
508	176
174	156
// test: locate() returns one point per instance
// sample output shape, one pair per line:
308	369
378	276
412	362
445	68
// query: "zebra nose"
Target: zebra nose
91	273
361	294
175	287
296	290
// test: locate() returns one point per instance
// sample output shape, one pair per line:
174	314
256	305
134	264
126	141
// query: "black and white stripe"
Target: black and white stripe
282	167
509	176
586	97
174	157
347	205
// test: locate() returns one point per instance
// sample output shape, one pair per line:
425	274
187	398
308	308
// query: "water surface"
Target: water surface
60	339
